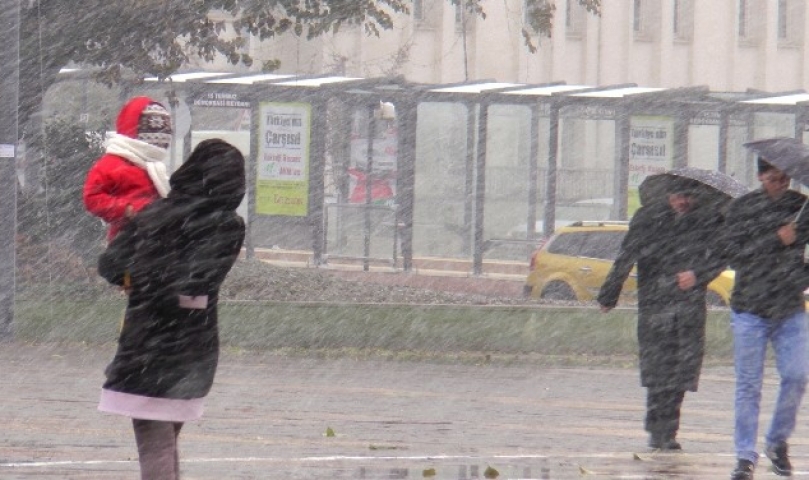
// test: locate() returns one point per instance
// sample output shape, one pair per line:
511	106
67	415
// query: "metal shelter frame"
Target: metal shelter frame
686	106
312	90
617	102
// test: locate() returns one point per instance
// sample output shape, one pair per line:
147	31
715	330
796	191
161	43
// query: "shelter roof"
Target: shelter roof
616	92
779	99
634	97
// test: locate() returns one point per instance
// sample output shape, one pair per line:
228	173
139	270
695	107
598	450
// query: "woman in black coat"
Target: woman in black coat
674	246
173	255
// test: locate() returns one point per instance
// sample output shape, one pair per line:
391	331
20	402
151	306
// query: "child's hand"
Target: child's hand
129	212
126	287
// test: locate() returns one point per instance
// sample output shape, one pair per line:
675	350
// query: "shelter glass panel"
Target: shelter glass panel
771	124
703	146
585	174
347	230
740	164
507	170
361	203
443	194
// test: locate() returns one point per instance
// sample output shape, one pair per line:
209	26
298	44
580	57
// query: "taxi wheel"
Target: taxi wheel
558	291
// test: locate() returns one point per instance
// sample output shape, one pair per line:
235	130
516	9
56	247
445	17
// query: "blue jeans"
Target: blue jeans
751	334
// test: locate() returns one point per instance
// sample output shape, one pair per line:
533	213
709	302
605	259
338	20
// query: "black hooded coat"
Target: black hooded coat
671	322
184	244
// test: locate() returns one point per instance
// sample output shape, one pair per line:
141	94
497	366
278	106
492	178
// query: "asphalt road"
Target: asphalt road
268	416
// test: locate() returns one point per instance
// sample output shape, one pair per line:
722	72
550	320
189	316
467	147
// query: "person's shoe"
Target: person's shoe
664	442
778	454
743	471
670	445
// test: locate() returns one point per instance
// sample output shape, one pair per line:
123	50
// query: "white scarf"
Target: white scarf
145	156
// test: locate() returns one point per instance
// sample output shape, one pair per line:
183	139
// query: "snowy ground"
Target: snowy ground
268	417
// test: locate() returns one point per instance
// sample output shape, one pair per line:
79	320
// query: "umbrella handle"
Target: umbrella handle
800	212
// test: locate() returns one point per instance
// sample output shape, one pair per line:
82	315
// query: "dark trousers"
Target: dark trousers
663	411
157	449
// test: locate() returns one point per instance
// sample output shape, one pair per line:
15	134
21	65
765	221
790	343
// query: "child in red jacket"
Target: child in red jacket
132	173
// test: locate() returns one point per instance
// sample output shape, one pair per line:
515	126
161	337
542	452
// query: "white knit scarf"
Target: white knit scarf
145	156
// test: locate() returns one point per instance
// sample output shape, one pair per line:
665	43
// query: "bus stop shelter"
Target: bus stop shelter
648	133
394	170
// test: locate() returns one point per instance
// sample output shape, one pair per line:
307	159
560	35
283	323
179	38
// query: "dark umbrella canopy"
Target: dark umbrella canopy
789	155
712	187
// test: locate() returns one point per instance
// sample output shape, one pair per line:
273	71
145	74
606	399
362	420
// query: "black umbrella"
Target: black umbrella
709	186
787	154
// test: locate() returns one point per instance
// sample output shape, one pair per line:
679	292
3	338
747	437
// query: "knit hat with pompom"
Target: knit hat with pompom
154	126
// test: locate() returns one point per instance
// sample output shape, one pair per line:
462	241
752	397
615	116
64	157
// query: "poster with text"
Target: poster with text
650	152
282	180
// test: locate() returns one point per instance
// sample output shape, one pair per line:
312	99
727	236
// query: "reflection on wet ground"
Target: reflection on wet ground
300	418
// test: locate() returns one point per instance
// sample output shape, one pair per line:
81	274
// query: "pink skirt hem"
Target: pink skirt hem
150	408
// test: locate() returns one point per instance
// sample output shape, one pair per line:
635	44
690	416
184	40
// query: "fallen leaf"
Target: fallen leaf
491	472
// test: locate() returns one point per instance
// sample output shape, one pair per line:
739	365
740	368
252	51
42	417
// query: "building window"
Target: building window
574	19
645	19
464	19
422	14
637	17
533	15
683	20
527	11
790	22
748	21
418	10
742	18
537	15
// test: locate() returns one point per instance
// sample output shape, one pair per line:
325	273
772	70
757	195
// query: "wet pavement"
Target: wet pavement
273	416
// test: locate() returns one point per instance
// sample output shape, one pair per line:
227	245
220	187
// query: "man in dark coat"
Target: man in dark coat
672	241
765	246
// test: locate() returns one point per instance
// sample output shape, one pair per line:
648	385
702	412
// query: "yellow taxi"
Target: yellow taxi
573	264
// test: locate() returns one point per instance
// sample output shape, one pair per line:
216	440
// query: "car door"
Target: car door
559	261
598	252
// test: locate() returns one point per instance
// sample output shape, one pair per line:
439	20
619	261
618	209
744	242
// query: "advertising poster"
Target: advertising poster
282	179
650	151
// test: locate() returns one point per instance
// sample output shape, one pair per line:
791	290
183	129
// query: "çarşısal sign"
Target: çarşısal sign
650	152
282	181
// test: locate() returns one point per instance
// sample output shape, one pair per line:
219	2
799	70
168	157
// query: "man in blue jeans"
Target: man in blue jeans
765	247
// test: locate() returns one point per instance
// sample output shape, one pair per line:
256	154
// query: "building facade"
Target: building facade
726	45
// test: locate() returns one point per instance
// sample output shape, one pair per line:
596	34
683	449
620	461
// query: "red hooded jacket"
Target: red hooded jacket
113	182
